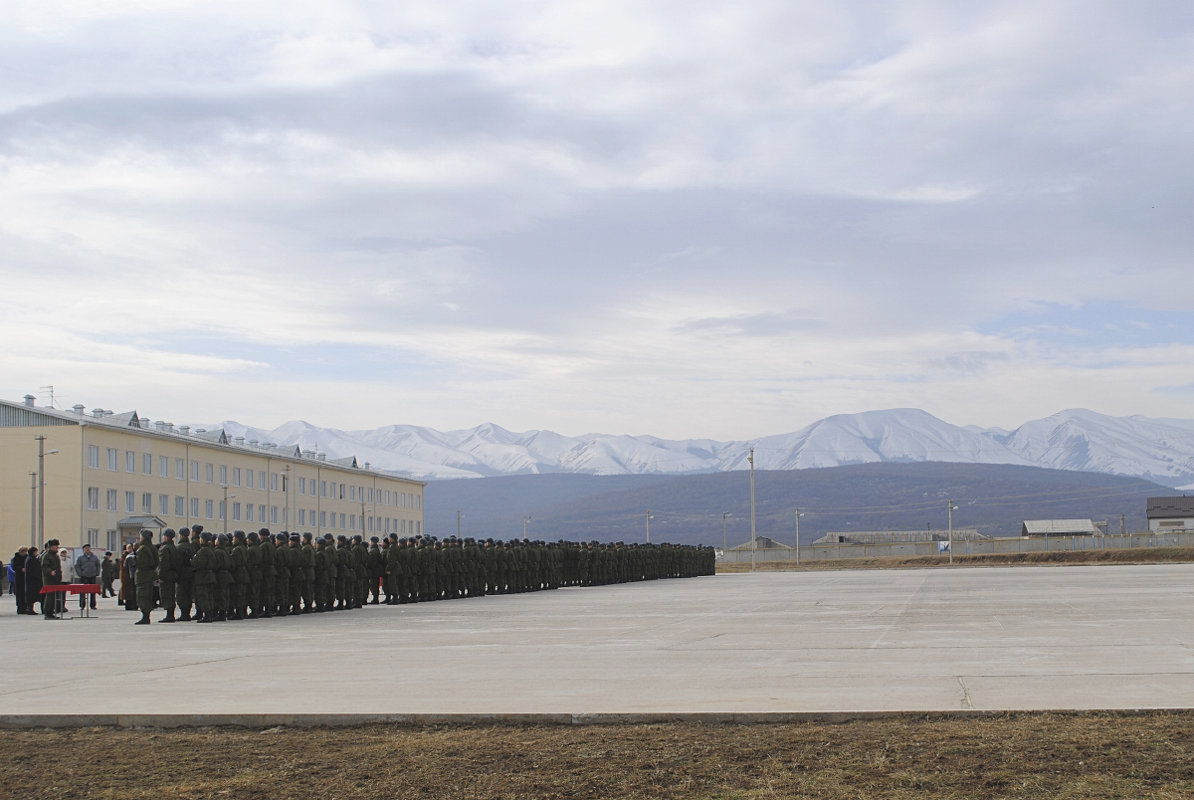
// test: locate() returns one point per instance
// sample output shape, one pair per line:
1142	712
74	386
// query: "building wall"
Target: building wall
1169	525
104	474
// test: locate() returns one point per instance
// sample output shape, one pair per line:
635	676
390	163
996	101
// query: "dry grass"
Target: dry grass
1137	555
1000	756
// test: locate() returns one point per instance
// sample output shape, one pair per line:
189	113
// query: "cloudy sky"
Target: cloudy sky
681	218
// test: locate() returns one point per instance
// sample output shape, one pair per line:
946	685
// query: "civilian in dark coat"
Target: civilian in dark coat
33	581
18	578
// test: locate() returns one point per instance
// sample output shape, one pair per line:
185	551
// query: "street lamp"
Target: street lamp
224	510
525	520
648	526
798	515
41	486
753	544
459	514
951	508
724	544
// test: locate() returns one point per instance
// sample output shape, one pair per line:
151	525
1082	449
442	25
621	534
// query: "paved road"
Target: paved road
963	639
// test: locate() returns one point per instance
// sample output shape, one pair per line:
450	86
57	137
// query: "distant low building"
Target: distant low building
1059	527
899	537
1170	514
763	543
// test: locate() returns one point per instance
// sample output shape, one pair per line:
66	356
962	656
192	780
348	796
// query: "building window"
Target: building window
352	521
273	481
111	498
323	488
147	463
302	488
209	507
113	458
93	537
261	512
352	493
93	456
223	475
130	461
249	512
195	507
130	502
261	478
93	498
236	512
249	478
180	469
163	467
273	514
302	517
195	471
180	506
323	519
164	504
209	472
236	476
147	502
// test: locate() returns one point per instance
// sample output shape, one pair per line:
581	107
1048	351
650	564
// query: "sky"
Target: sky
680	218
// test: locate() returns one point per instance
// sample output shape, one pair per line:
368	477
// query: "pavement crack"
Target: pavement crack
967	705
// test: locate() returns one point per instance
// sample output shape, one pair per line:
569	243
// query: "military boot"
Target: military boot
144	619
169	616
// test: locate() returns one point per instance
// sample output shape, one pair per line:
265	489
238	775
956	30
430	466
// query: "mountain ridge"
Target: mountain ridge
1159	450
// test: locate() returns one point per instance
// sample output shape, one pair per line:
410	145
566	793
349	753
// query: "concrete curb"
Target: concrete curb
263	721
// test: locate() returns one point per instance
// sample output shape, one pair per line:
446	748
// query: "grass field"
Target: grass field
1088	756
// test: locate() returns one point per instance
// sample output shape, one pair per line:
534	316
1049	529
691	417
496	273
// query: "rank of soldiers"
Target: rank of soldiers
258	575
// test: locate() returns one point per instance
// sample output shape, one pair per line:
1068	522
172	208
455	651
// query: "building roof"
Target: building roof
763	543
1162	507
26	415
1057	527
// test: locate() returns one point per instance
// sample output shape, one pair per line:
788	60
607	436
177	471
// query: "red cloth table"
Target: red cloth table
73	588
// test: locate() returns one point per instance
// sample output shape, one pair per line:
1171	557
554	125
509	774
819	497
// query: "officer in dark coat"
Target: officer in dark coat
147	567
185	589
204	564
375	567
51	575
168	568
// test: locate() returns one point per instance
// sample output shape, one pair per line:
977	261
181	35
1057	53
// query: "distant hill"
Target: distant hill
991	497
1160	450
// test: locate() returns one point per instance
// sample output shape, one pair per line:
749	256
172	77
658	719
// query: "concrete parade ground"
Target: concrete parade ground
739	646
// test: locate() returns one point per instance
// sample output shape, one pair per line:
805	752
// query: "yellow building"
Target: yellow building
107	476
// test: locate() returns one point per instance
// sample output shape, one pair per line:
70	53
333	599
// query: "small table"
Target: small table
73	588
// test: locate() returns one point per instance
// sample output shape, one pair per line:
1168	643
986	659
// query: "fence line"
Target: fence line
1034	544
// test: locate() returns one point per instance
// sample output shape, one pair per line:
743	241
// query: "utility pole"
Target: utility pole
41	486
950	507
724	546
525	520
797	536
458	516
754	545
648	526
33	509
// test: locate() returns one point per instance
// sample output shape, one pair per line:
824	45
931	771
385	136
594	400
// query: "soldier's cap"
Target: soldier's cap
146	534
252	536
197	529
374	539
107	553
307	535
238	535
51	543
341	538
206	536
294	537
168	533
263	532
327	537
356	538
184	530
223	538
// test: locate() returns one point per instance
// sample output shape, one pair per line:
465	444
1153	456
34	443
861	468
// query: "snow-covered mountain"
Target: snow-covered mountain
1160	450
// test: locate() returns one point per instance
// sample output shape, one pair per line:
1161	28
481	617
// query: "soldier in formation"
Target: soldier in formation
258	575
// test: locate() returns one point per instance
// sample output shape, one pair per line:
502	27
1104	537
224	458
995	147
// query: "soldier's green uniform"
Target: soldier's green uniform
269	573
308	563
360	561
344	572
185	588
223	577
256	579
147	567
281	598
240	575
323	594
204	564
294	560
168	569
375	568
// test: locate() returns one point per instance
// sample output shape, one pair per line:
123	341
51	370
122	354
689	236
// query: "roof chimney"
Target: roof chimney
79	409
240	440
30	400
97	412
185	430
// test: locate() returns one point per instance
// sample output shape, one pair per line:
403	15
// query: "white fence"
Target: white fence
824	552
